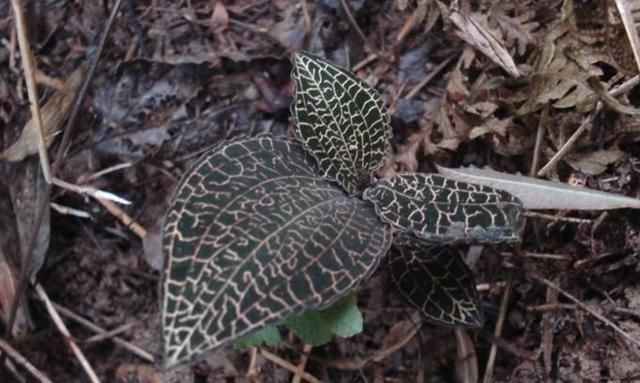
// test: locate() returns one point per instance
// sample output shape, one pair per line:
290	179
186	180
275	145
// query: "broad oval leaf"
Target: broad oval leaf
435	280
253	235
440	210
341	120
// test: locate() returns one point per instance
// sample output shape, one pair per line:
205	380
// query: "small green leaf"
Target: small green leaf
316	328
440	210
341	120
252	236
436	281
269	335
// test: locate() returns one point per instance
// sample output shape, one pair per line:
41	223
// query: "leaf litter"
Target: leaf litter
177	79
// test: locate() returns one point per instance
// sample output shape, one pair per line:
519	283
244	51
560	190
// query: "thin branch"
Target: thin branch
65	332
581	305
624	9
120	342
68	128
488	373
293	369
556	218
90	190
29	67
539	137
355	26
124	218
302	363
21	360
416	89
109	334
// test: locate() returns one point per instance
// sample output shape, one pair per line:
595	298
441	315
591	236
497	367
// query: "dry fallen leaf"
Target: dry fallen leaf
466	360
474	30
54	113
594	163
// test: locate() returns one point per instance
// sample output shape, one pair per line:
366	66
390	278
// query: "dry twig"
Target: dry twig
293	369
488	373
355	26
67	336
416	89
119	341
21	360
302	363
581	305
32	90
123	217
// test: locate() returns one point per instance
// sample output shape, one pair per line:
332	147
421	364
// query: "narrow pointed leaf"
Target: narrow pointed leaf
435	280
252	236
440	210
542	194
341	120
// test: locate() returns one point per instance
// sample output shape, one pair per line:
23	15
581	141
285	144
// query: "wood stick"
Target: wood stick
293	369
488	373
65	332
92	326
21	360
32	90
302	363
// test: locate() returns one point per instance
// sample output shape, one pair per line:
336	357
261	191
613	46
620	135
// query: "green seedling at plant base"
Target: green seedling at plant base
271	231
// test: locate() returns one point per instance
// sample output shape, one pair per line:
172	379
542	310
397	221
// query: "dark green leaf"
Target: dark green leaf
269	335
341	120
440	210
436	281
252	236
316	328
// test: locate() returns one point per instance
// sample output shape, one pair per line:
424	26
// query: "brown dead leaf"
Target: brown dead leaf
290	31
518	28
399	331
473	29
54	113
219	18
456	89
466	360
27	189
10	259
492	125
594	163
8	282
562	78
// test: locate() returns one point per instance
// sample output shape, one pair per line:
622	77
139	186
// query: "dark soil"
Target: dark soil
176	77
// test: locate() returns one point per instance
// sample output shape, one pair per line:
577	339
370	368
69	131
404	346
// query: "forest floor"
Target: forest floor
503	84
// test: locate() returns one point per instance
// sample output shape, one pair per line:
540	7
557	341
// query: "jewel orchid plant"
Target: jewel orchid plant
262	230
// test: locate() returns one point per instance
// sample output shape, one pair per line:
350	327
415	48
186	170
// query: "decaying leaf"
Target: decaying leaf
596	162
541	194
466	359
54	113
474	30
10	259
252	236
341	120
28	191
436	281
436	209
